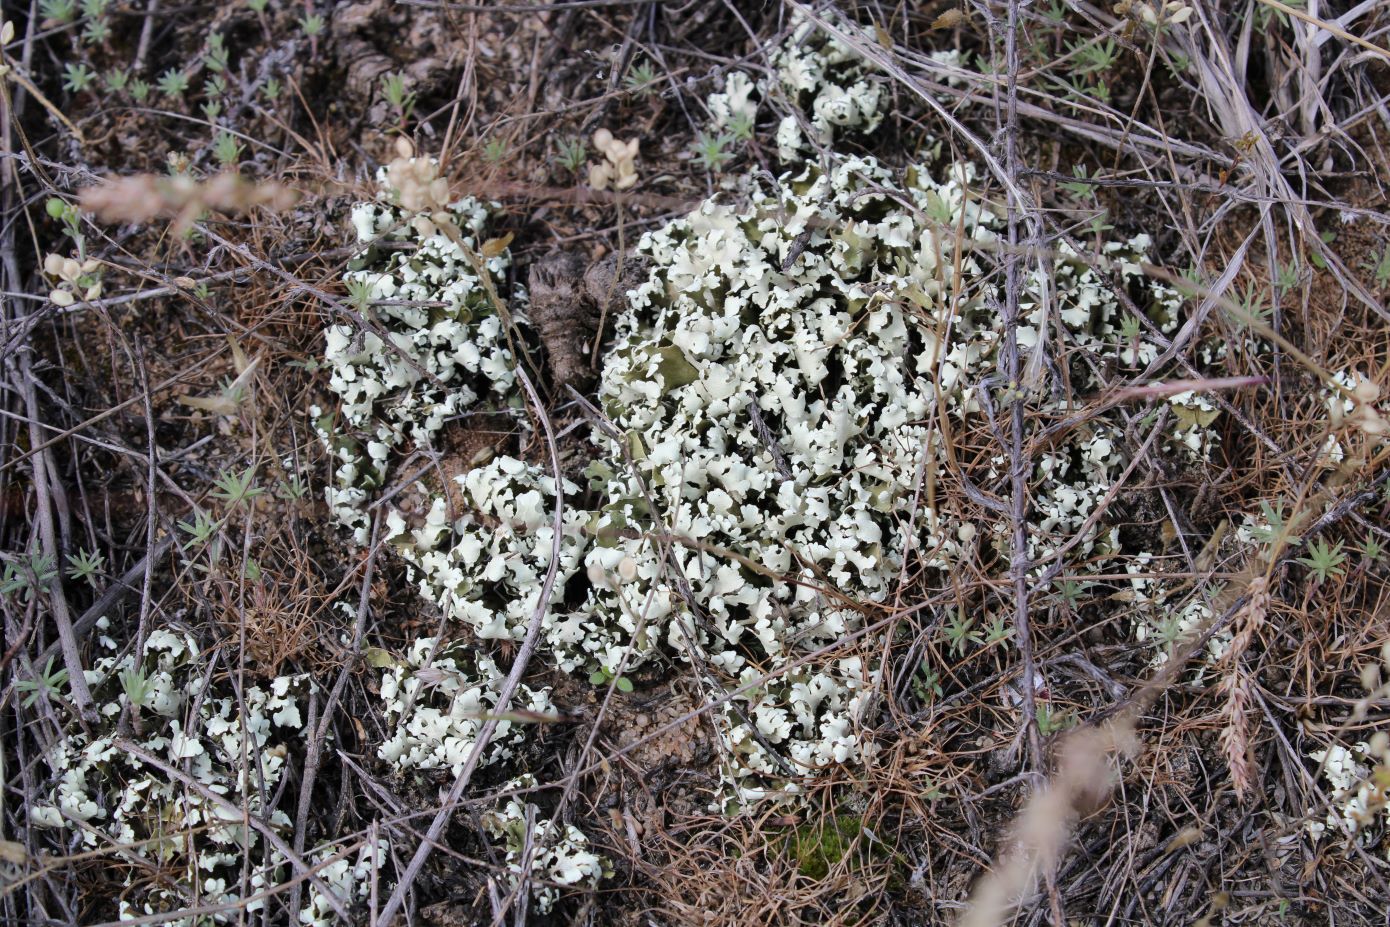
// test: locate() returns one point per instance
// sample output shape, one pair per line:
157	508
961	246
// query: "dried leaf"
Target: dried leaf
948	20
1189	417
10	851
217	405
239	358
494	247
380	659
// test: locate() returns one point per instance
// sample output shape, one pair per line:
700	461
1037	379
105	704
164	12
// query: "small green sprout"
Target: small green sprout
1324	560
215	86
216	58
602	675
359	295
958	632
1169	632
1318	260
640	78
1071	591
226	149
96	32
1277	529
77	77
712	151
1380	267
1190	282
495	151
58	11
394	92
572	154
1074	187
44	684
257	6
116	80
1264	14
1287	277
1371	549
999	630
139	90
291	490
271	89
173	83
1049	721
211	110
1098	224
30	578
233	489
1094	57
1177	63
741	127
85	566
135	683
201	528
926	685
1129	328
312	25
94	9
1253	306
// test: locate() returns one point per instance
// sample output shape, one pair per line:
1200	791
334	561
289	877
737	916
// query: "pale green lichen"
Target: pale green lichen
437	699
559	856
182	848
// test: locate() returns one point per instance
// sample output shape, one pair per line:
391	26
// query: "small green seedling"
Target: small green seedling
201	528
394	92
58	12
226	149
712	151
84	566
116	80
173	83
602	675
1049	721
640	78
234	489
571	155
43	685
1324	560
78	77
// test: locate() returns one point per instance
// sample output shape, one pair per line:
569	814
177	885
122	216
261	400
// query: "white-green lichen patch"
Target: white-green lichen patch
185	843
438	699
774	385
556	855
422	275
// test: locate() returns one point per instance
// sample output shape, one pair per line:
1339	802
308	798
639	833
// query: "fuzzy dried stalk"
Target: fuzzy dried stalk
1236	687
147	196
1079	786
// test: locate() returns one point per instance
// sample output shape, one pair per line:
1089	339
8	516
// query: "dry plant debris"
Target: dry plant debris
602	462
